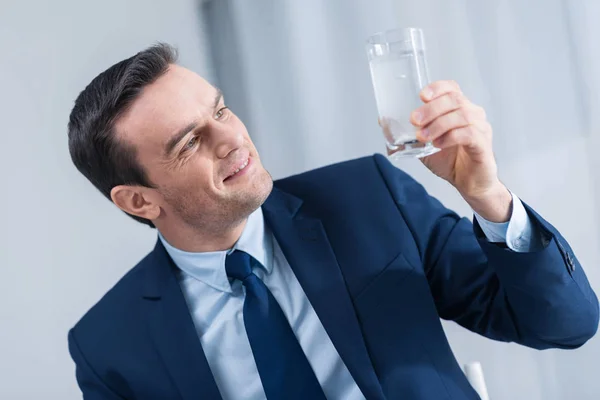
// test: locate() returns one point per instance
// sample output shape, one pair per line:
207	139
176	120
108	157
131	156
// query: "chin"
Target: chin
261	190
244	201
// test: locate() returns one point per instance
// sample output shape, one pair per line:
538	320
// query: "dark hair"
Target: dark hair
95	150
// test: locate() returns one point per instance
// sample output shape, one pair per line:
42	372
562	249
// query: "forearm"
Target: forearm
529	298
551	302
548	305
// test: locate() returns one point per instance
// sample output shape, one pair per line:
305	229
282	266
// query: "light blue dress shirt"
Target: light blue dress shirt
216	305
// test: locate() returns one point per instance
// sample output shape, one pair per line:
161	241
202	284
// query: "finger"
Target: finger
459	118
465	136
437	89
473	135
437	107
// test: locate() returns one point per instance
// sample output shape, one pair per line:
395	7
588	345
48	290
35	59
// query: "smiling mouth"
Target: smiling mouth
240	168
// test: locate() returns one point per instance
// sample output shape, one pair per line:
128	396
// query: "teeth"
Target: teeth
240	168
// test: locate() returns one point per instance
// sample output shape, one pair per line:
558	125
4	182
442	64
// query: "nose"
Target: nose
226	139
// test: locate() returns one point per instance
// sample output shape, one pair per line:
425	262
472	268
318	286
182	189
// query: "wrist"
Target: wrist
493	204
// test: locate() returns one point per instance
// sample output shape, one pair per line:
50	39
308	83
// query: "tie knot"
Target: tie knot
238	265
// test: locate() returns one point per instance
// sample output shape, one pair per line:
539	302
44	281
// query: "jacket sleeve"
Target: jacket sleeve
539	299
92	387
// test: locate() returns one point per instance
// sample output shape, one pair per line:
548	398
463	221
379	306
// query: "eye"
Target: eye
192	142
221	112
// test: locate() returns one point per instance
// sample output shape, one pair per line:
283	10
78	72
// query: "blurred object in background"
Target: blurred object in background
474	373
296	74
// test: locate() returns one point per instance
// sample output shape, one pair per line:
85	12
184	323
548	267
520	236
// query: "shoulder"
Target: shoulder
373	175
116	312
362	167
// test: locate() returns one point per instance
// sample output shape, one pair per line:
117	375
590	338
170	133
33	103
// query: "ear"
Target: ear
135	200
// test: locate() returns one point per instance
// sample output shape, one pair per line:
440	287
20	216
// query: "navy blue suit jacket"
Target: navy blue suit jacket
381	261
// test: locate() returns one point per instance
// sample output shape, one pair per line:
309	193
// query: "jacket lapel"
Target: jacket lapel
307	249
173	331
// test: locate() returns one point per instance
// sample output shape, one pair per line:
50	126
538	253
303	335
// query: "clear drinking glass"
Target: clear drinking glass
399	72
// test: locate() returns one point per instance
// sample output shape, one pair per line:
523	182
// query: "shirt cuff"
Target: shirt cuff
517	233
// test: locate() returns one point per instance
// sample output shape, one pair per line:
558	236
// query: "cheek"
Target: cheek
251	147
198	173
190	189
193	178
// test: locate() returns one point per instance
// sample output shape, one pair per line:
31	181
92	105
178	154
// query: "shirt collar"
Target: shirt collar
209	267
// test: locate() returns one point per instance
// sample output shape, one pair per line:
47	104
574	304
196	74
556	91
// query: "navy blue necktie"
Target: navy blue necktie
282	365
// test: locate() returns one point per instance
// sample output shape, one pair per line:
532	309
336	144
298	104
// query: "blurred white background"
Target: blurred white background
296	73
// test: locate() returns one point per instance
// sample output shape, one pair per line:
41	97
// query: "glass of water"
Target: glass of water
399	72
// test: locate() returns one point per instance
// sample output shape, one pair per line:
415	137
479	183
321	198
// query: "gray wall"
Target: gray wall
62	245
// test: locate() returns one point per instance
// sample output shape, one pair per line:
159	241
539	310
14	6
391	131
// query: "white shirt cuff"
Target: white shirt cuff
517	233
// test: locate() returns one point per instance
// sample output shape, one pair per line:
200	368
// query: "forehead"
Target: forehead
175	99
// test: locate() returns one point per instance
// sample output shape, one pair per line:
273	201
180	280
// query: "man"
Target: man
329	284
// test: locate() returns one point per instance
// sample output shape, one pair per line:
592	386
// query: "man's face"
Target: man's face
195	151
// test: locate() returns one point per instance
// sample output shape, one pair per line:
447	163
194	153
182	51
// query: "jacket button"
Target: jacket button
570	261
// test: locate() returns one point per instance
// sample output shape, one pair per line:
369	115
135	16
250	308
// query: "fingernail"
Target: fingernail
427	94
425	133
417	117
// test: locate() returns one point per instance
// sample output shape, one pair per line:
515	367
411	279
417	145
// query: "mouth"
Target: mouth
239	170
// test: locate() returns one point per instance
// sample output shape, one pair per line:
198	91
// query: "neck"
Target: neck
191	239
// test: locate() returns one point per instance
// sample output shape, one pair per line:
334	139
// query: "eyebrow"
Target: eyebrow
180	134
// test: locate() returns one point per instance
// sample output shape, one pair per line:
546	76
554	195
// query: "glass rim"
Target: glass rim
383	33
